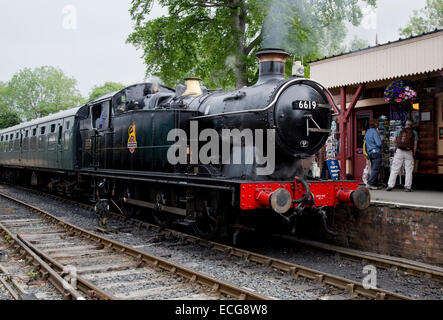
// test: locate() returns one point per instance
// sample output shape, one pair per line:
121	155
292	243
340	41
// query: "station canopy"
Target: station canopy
405	57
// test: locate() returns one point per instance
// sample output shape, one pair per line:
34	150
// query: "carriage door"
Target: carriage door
362	120
59	148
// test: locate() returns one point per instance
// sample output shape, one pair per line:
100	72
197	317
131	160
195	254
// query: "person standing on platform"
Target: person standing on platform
407	141
373	146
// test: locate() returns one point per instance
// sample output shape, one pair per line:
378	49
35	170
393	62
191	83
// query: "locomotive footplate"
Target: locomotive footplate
282	196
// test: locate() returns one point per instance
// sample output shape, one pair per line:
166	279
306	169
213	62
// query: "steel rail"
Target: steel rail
10	285
384	262
45	270
216	285
294	270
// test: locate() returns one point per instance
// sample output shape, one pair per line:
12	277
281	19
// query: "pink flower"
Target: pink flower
398	100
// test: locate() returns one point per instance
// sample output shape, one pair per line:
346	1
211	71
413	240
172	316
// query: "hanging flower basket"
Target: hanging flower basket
400	93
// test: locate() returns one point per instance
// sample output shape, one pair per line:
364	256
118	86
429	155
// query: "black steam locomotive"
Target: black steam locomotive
208	159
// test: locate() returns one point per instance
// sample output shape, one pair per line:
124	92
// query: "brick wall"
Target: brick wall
411	233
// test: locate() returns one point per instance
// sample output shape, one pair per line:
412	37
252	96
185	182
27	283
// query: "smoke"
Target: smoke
283	17
154	80
298	27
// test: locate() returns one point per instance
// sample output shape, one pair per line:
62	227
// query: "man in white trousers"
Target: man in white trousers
407	141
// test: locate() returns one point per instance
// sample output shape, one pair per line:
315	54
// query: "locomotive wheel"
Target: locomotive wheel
128	210
206	226
163	219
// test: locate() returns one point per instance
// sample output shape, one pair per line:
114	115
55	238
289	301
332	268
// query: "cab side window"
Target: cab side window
100	115
119	103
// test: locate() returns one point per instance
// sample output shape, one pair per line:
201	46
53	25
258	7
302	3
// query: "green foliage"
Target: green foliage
216	40
8	238
42	91
8	117
424	20
32	274
358	43
108	87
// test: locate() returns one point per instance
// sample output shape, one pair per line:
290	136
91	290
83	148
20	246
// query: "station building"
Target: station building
358	81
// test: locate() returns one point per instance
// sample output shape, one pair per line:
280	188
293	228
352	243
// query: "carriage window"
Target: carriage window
51	139
25	143
52	127
11	136
26	133
67	125
42	130
16	135
34	131
2	139
7	137
66	140
60	130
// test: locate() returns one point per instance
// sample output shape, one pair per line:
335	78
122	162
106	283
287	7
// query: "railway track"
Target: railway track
353	288
23	266
104	269
406	267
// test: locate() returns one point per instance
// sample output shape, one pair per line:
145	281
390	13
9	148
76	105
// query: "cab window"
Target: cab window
100	115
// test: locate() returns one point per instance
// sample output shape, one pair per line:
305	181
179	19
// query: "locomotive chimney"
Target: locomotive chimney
193	88
272	64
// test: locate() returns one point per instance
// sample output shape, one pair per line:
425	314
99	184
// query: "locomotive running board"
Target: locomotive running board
160	207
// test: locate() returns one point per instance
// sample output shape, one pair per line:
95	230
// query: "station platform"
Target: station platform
417	198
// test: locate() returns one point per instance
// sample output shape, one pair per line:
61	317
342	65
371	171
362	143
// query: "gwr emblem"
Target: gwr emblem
132	141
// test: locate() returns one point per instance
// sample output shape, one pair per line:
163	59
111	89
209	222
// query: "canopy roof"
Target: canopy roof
405	57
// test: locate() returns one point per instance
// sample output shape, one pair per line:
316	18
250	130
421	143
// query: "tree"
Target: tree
8	118
42	91
358	43
424	20
217	39
108	87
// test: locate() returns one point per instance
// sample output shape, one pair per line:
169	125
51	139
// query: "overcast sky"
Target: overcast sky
92	48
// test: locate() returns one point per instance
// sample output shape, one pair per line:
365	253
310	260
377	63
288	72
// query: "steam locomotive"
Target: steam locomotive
137	151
